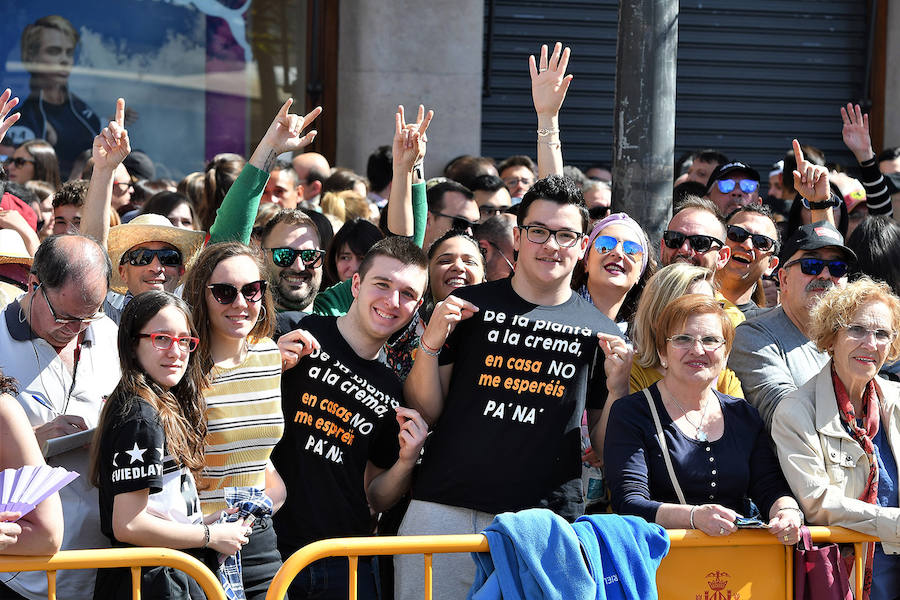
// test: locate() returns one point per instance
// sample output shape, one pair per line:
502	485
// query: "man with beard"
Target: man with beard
294	259
773	354
695	235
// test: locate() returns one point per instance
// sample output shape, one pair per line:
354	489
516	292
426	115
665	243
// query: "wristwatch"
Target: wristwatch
833	200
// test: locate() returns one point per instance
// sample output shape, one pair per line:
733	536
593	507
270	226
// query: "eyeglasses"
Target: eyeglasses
459	223
487	210
120	188
683	341
141	257
164	341
538	234
68	320
19	161
511	266
512	181
285	257
814	266
699	243
226	293
762	242
598	212
859	333
748	186
607	243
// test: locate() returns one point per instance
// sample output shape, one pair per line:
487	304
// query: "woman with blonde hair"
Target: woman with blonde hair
838	435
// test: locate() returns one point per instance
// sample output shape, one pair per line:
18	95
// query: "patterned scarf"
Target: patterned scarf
863	436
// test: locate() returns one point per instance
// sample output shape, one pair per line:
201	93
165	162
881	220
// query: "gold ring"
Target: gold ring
786	538
721	531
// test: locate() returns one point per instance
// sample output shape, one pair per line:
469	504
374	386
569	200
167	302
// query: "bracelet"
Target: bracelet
428	350
693	508
419	171
205	535
549	143
546	132
800	512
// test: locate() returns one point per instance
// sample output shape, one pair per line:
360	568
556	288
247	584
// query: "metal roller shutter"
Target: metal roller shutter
751	75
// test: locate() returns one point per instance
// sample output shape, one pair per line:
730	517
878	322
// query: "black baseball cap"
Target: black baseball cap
820	234
735	166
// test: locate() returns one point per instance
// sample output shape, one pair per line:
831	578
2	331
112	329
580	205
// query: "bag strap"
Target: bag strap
805	541
661	438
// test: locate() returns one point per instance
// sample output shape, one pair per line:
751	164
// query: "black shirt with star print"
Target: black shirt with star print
132	457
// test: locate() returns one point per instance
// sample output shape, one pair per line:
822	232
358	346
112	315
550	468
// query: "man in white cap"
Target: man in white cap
150	254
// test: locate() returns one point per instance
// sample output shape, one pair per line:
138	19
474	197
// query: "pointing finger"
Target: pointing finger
120	112
798	152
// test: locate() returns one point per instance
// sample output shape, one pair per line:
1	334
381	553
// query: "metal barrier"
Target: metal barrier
757	563
132	558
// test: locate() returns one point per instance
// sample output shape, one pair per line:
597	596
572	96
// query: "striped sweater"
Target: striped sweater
245	422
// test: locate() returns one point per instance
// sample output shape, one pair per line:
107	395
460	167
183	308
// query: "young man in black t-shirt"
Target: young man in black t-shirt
349	446
506	390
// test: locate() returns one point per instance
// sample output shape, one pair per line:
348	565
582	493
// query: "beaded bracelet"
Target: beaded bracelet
546	132
205	535
428	350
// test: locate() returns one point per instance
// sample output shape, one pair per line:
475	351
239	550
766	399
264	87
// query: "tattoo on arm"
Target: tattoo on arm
269	161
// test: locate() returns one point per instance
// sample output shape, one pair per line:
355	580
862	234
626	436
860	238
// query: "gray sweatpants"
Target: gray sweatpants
453	573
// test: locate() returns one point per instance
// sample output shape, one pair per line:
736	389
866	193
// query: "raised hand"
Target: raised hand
7	105
810	180
856	132
409	138
549	82
111	145
617	365
283	134
450	311
295	345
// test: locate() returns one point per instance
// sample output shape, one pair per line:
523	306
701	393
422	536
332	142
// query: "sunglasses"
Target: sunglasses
748	186
815	266
141	257
164	341
226	293
607	243
18	161
458	223
699	243
285	257
739	235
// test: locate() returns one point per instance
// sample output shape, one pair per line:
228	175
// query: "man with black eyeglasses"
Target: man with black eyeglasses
61	349
450	206
491	196
753	238
294	258
506	389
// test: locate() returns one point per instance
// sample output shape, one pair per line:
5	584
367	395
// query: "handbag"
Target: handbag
819	571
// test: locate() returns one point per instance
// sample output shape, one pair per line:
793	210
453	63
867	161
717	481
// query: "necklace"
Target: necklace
700	436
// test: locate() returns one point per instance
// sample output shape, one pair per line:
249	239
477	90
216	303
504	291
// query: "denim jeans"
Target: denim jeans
328	579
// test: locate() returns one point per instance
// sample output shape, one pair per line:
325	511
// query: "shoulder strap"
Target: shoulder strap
661	438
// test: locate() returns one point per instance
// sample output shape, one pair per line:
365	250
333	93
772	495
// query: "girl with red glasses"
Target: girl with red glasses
149	448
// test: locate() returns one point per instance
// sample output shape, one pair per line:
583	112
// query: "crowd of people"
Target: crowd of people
274	351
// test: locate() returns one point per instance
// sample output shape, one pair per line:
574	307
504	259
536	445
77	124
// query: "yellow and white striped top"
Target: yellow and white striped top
243	408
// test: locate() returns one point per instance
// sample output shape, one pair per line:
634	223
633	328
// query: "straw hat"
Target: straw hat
12	248
149	228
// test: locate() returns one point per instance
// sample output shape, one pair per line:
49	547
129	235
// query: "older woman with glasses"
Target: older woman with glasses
684	455
838	435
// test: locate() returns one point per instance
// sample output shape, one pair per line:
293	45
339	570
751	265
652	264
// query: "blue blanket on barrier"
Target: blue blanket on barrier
536	554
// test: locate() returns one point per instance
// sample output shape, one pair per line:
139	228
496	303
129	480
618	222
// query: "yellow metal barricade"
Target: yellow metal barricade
133	558
746	564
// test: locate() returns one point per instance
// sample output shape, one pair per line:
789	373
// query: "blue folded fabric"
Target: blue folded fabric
252	503
537	555
627	551
534	555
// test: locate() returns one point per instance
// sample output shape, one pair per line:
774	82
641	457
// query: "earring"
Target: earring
262	313
663	364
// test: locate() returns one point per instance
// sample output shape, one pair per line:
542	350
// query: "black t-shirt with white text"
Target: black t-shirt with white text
509	436
339	413
133	456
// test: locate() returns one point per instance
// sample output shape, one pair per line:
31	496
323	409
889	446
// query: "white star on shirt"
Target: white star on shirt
115	456
136	454
161	452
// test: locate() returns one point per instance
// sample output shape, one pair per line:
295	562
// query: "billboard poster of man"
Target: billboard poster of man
181	66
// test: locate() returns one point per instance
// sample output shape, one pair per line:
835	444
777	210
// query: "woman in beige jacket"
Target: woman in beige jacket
838	436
